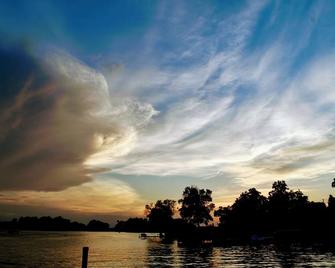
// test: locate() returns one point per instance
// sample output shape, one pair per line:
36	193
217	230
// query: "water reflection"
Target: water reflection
197	256
290	256
286	256
161	255
57	249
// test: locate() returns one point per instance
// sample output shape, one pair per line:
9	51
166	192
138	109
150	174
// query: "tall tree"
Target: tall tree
279	197
196	206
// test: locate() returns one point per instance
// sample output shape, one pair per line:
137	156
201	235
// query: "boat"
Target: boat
143	236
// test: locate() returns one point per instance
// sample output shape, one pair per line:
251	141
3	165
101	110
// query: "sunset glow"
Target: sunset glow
107	106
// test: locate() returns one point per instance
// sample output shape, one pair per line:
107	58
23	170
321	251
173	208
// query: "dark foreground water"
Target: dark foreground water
63	249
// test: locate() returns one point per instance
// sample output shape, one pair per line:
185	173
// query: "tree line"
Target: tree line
47	223
282	213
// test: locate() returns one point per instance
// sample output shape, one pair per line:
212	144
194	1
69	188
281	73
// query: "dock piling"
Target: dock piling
85	257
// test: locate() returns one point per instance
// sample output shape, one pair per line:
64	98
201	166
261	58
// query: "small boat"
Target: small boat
143	236
151	236
207	242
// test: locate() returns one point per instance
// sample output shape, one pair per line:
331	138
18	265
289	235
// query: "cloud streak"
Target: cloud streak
242	112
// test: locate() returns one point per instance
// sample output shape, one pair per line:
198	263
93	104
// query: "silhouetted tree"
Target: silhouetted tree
279	199
47	223
223	214
331	202
317	216
298	199
331	212
250	201
279	194
196	206
246	215
160	215
132	225
288	209
298	202
96	225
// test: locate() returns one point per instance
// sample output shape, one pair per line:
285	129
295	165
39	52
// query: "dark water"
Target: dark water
63	249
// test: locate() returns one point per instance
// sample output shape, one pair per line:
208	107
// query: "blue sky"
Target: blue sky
153	96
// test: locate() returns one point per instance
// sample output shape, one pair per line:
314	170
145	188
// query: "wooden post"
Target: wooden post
85	257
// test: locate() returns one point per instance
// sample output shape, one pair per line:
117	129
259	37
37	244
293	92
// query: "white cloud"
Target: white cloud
241	114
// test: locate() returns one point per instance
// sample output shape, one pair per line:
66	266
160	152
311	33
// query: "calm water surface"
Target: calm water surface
63	249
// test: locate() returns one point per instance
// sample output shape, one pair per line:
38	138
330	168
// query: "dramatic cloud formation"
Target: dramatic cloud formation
245	92
55	114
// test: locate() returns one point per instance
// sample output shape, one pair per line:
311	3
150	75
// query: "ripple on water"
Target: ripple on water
63	249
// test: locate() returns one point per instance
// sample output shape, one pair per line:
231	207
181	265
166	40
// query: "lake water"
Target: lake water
107	249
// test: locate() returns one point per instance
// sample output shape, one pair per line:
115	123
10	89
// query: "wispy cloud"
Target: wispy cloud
242	110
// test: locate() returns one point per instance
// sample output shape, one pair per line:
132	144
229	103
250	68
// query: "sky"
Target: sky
106	106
